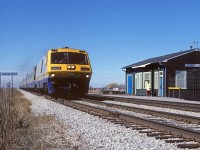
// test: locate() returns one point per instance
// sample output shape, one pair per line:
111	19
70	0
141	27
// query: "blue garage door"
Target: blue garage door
129	84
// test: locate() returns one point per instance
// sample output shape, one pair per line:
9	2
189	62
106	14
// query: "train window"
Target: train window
41	65
46	59
69	58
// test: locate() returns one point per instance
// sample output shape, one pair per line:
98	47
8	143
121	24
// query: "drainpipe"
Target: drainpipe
165	73
152	83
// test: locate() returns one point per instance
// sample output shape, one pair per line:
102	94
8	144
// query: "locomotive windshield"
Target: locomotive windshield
69	58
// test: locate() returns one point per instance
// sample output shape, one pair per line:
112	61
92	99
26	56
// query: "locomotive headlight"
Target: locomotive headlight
87	76
71	67
52	75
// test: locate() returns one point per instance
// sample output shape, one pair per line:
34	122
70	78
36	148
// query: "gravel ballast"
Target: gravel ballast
90	132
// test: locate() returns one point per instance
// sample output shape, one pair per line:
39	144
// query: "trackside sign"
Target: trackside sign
192	65
8	73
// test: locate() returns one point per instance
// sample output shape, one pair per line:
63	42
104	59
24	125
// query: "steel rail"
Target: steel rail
174	105
179	117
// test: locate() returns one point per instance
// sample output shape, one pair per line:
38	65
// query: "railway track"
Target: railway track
152	127
159	130
157	103
178	117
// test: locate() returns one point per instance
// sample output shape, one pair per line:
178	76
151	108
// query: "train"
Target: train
60	71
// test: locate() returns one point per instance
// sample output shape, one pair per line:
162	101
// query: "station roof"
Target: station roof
160	59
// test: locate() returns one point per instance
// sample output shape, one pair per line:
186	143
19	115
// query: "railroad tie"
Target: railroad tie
139	128
167	136
146	131
153	134
190	146
131	125
175	140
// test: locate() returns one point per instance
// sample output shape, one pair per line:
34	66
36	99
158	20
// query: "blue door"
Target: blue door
160	83
129	84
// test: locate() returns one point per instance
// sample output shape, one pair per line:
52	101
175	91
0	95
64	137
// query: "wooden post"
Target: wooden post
12	85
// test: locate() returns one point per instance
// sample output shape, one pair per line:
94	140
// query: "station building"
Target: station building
174	75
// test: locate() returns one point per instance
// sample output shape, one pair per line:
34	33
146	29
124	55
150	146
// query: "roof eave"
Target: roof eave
176	56
141	66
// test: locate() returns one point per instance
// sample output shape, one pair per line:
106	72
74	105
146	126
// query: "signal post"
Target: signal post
8	74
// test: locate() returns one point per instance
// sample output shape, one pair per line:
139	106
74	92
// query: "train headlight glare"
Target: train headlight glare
53	75
71	67
87	76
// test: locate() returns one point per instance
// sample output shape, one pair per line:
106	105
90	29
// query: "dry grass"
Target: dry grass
19	129
14	112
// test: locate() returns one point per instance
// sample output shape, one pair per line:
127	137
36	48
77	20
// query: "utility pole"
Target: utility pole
0	81
12	85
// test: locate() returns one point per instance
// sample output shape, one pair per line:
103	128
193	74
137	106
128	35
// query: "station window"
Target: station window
138	78
146	78
156	80
181	79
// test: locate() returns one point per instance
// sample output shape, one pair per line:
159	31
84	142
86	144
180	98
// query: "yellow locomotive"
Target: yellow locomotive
60	71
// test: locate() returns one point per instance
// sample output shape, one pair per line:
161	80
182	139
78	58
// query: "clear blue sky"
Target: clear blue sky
115	33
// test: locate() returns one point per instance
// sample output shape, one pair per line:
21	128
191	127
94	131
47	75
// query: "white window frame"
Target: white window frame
184	79
144	79
138	84
156	81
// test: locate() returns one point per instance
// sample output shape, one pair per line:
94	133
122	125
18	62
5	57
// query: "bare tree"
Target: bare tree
112	85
